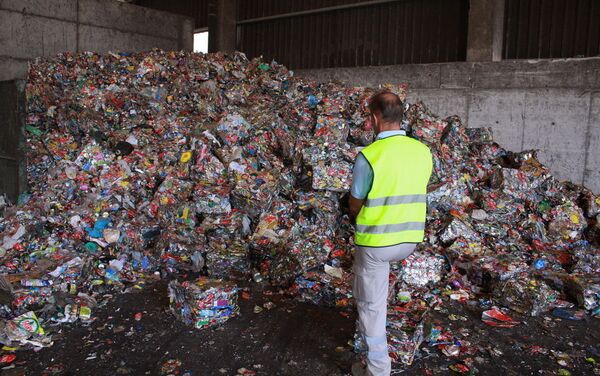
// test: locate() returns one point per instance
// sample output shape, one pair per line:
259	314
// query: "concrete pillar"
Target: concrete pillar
486	30
222	25
13	180
186	35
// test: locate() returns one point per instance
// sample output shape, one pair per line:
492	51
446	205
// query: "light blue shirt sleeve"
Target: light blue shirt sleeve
362	178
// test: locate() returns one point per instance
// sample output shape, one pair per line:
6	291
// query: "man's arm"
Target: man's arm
362	179
355	205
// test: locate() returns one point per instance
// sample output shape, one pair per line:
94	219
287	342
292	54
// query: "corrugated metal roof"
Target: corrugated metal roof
551	29
376	33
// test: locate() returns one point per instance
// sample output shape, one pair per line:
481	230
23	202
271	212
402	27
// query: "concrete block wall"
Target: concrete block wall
33	28
550	105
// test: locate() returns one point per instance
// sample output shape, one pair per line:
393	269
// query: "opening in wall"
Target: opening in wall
201	42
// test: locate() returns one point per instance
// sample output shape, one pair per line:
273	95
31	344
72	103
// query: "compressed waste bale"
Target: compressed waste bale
526	296
228	259
322	288
204	302
567	222
333	176
421	268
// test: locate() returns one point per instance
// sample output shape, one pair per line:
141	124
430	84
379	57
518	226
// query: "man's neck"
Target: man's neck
389	133
389	127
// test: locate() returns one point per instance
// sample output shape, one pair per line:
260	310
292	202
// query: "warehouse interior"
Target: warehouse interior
525	73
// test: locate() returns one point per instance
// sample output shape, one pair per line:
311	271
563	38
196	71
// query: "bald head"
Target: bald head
388	107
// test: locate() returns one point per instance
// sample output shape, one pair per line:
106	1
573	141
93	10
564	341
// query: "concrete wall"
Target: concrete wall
33	28
553	106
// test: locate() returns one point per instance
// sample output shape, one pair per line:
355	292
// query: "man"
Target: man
388	199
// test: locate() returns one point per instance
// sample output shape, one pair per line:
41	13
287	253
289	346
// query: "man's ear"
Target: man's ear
375	122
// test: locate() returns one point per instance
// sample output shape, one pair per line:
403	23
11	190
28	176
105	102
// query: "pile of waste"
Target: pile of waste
149	165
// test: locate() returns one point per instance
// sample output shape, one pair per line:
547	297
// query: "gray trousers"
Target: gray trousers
371	284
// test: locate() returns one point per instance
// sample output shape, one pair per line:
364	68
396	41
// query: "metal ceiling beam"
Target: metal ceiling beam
315	11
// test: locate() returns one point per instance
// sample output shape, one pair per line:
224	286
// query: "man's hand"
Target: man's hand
355	205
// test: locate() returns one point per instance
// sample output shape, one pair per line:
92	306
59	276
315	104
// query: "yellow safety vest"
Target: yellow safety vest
395	209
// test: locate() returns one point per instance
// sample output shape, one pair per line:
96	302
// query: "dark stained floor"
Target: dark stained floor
293	339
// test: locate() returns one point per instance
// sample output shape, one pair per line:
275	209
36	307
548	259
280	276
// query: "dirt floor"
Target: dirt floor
294	338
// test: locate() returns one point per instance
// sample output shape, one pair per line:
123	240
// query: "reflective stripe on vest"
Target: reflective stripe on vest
395	209
394	200
385	229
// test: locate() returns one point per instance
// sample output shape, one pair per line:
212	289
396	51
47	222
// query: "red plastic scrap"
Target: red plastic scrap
460	368
535	349
7	358
494	317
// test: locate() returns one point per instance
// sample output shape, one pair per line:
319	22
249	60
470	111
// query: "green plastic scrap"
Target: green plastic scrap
264	67
33	130
544	206
90	246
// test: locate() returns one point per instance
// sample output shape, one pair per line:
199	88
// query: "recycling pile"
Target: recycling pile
153	164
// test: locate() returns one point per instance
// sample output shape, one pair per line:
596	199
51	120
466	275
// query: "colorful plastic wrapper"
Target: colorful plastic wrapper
24	329
204	302
497	318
